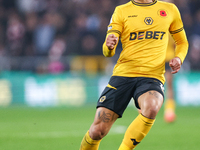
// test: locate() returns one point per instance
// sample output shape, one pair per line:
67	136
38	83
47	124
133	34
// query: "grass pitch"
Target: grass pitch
62	128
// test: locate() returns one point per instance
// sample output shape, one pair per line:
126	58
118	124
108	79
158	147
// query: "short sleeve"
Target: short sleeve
116	22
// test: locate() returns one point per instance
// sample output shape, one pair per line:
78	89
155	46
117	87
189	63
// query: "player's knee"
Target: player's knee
151	109
98	132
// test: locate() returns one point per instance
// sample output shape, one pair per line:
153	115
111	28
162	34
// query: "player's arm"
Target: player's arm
110	45
180	52
114	31
178	33
181	45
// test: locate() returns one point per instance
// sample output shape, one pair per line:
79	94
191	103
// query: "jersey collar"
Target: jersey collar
144	4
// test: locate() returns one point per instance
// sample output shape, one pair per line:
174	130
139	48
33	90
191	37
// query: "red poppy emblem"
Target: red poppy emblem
163	13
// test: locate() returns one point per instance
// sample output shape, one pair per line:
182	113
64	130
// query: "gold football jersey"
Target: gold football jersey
170	49
144	32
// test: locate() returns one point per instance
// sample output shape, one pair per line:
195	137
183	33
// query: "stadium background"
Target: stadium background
51	65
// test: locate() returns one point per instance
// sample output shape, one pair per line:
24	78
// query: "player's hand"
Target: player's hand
111	41
175	64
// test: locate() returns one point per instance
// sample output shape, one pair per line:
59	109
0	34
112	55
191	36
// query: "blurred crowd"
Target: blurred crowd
38	34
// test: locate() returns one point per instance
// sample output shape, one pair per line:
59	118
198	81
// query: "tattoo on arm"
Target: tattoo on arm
105	117
154	94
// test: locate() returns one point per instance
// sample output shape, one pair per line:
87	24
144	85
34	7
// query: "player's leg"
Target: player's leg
110	106
104	119
149	98
169	107
150	103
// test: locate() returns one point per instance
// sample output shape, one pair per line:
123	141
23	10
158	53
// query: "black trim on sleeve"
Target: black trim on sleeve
115	31
176	31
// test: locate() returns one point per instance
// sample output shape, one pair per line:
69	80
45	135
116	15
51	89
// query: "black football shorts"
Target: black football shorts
119	91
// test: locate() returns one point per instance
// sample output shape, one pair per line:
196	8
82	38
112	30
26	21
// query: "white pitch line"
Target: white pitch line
118	129
58	134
